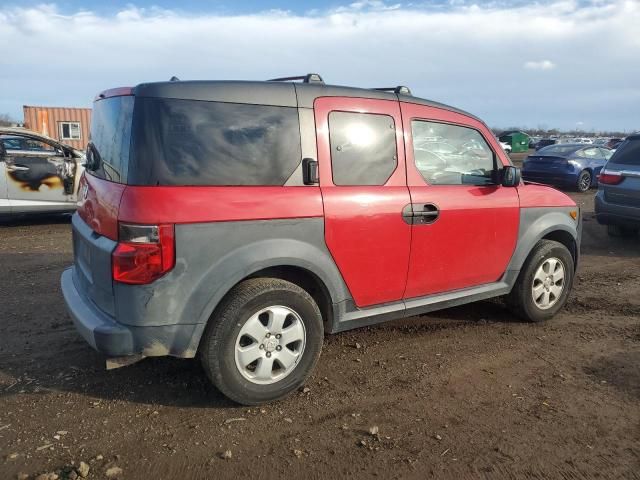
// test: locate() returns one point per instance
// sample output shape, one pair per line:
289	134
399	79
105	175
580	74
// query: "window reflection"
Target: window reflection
451	155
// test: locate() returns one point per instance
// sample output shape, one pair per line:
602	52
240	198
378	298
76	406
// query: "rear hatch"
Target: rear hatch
95	228
622	172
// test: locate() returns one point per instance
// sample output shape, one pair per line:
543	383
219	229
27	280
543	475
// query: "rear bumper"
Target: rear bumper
614	214
114	339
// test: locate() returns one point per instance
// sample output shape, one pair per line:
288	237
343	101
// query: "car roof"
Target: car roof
16	132
276	93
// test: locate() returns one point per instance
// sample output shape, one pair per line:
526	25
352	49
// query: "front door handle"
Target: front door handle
17	168
420	213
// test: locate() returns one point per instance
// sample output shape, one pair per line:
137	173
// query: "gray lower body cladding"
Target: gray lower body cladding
168	316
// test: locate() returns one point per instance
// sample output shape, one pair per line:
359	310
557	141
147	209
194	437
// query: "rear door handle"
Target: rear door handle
17	168
420	214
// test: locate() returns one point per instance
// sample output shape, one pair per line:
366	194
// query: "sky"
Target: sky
551	63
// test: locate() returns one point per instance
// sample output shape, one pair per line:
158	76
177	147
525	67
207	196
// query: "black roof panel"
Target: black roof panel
285	94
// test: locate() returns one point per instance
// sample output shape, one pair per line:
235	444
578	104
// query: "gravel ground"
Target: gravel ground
469	392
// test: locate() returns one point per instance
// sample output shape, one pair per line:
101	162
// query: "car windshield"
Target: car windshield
558	149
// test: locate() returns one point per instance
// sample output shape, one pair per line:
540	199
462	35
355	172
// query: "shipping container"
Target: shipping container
67	125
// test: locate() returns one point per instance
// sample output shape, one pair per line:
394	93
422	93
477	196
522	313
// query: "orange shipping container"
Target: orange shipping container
67	125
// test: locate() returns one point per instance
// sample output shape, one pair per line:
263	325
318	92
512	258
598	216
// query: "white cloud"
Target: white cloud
467	55
541	65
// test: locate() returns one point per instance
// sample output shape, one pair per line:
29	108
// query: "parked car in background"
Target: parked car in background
37	174
533	141
566	165
545	142
240	221
614	142
506	147
617	202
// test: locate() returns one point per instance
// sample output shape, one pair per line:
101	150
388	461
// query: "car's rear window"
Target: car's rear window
558	150
627	153
190	142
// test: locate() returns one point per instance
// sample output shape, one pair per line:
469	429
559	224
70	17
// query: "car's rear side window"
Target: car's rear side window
627	153
110	139
191	142
363	148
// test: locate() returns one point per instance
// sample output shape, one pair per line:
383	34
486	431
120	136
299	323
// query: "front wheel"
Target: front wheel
584	181
263	341
544	282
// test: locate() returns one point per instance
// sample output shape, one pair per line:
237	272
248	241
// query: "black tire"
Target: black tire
620	231
584	181
217	348
521	301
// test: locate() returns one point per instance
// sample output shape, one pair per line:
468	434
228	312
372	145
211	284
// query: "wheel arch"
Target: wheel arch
566	239
303	264
550	223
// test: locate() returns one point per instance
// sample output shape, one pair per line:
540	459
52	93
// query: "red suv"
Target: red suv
240	221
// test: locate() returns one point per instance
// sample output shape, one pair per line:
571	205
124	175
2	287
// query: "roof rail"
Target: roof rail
400	89
308	78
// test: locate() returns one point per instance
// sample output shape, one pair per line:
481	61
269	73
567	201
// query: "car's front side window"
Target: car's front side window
467	160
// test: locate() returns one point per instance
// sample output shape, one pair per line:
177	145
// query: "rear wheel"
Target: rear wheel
263	341
584	181
544	282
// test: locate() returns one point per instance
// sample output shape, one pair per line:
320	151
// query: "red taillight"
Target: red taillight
144	253
610	178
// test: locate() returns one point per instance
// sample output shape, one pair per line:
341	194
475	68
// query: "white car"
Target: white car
37	174
506	147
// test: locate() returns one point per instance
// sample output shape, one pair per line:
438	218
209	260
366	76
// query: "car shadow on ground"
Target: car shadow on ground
35	219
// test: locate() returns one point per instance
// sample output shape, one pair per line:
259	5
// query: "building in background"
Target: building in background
67	125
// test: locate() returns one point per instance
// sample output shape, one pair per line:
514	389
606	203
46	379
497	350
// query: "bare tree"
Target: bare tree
6	120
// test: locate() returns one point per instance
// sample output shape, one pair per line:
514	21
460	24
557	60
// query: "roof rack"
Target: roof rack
400	89
308	78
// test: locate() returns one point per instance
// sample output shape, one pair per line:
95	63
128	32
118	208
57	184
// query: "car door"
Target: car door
364	190
465	225
5	207
38	175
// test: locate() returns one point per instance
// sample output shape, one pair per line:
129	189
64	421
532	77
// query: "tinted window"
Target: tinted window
363	148
110	139
591	154
12	143
561	150
466	159
628	153
190	142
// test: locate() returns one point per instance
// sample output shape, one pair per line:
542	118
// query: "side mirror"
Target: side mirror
510	176
310	171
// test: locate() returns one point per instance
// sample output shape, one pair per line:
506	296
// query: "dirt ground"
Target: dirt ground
469	392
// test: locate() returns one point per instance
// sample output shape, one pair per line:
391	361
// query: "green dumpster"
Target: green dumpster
519	141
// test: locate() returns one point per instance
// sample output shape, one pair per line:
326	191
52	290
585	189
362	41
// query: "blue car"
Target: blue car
570	165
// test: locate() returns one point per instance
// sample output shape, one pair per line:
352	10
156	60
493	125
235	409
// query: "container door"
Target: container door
363	184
